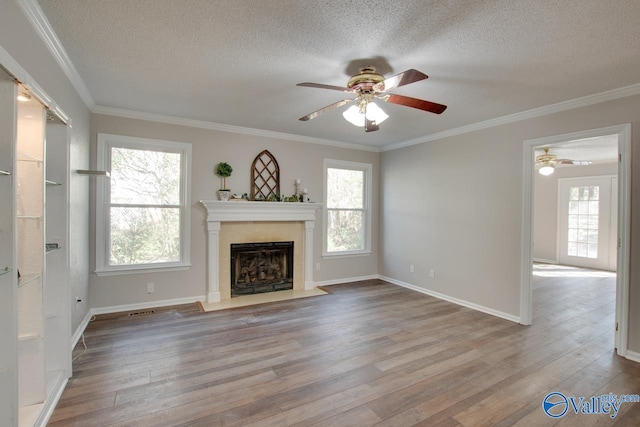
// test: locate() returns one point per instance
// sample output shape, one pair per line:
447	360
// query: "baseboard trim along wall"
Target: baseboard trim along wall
633	356
80	329
457	301
546	261
52	402
149	304
346	280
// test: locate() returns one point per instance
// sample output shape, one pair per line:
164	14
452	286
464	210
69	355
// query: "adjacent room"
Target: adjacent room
319	213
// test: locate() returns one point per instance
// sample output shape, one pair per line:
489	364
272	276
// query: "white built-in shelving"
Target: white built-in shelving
35	298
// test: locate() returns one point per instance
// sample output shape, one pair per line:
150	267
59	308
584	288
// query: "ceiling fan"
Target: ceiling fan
368	85
546	162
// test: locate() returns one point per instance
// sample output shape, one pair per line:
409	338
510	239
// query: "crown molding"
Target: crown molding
41	24
584	101
138	115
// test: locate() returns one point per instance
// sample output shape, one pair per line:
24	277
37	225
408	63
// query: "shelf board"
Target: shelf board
5	173
27	278
28	337
38	217
48	251
22	157
49	182
93	172
5	271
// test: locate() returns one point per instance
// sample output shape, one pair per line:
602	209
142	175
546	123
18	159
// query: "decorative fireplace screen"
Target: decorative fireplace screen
261	267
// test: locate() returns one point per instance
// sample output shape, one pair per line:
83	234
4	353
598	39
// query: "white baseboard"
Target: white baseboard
546	261
80	329
149	304
51	402
457	301
346	280
632	355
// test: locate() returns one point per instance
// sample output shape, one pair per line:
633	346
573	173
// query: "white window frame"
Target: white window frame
367	168
103	196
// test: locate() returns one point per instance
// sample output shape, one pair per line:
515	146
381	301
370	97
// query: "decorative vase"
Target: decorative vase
224	195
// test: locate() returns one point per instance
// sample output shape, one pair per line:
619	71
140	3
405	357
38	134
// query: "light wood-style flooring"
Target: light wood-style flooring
369	354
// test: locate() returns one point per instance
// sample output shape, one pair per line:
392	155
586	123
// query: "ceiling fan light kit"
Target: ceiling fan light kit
547	162
546	170
373	113
368	85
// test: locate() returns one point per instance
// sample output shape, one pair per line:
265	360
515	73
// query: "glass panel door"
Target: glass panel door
584	222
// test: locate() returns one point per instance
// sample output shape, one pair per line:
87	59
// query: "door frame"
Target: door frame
624	224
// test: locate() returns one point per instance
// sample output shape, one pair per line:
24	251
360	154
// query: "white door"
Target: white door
585	222
8	279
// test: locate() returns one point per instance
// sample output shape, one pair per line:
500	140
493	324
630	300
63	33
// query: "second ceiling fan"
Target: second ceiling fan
547	162
368	85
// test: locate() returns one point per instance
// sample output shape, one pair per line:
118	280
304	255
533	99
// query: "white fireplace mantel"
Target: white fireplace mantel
219	212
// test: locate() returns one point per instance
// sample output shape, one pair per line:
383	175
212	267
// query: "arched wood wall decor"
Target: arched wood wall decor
265	176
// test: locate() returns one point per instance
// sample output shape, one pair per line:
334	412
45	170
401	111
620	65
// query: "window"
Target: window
347	222
143	210
584	207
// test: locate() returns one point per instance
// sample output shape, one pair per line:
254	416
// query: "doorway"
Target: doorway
622	197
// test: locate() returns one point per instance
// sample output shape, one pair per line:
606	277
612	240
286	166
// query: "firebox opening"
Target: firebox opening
261	267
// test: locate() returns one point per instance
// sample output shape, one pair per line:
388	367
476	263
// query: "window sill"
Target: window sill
138	270
346	254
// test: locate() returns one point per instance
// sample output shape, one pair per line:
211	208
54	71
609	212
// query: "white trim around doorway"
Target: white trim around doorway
624	224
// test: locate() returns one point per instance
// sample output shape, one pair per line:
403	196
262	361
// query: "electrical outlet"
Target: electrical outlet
411	268
151	287
432	274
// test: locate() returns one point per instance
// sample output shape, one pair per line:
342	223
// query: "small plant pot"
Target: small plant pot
224	195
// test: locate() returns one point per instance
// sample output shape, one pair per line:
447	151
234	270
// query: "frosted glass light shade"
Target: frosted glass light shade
546	170
374	113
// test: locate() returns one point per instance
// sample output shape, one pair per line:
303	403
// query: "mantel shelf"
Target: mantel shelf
218	211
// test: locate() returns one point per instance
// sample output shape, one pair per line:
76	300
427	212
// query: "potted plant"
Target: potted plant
223	170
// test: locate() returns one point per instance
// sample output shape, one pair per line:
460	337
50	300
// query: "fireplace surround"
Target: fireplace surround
254	222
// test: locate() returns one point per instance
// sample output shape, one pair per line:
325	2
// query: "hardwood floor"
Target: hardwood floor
371	353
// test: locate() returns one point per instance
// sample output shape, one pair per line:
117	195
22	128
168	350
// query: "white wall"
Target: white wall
455	205
545	206
296	160
19	39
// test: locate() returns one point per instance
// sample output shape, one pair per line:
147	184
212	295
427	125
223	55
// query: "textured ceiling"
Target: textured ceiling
237	62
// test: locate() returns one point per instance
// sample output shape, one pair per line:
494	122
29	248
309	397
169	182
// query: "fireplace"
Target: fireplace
261	267
243	222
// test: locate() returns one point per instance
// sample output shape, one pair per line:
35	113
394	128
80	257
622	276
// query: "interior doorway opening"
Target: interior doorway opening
581	240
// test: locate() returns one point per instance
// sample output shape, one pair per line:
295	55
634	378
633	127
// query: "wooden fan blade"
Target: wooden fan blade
400	79
326	109
420	104
322	86
574	162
